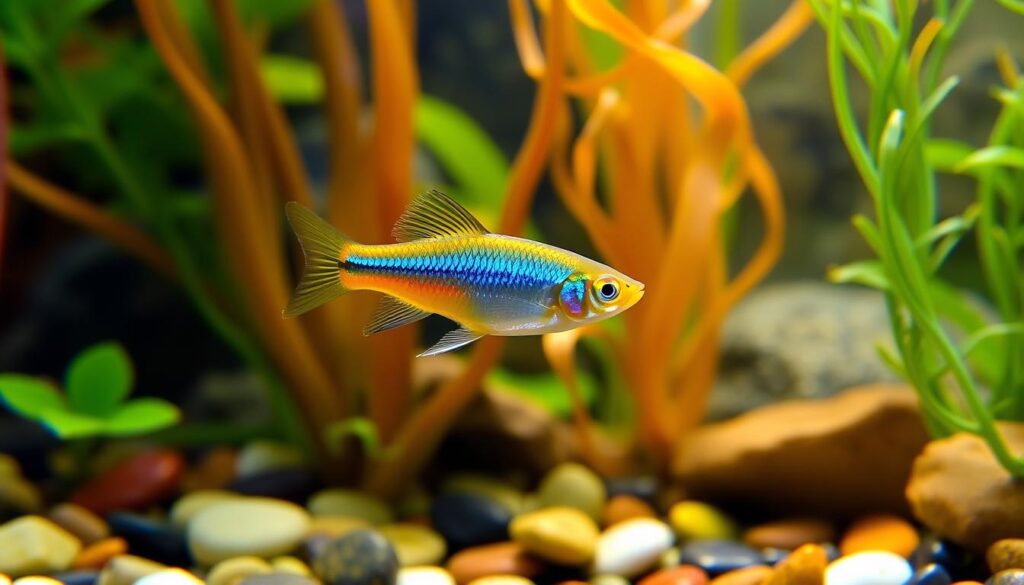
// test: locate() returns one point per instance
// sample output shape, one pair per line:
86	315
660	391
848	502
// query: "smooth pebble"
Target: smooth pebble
363	557
880	533
293	485
501	580
506	558
561	535
276	578
151	538
718	556
192	503
625	507
931	575
424	576
135	483
37	580
170	577
491	488
466	519
696	520
682	575
1007	577
575	486
231	571
82	522
1005	554
335	526
631	547
77	577
18	496
608	580
98	554
642	487
415	544
789	534
869	568
252	526
292	565
34	545
127	569
747	576
349	504
804	566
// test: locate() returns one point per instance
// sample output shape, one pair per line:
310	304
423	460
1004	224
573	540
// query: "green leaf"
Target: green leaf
1007	156
27	396
275	14
868	273
545	390
292	80
475	164
946	154
70	425
99	379
362	429
141	416
1014	5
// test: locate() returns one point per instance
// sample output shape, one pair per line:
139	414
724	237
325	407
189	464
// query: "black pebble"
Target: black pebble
293	485
151	539
718	556
466	519
78	577
362	557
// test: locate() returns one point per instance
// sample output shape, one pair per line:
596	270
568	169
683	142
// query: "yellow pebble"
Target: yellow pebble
880	532
4	579
290	565
36	581
501	580
424	576
232	571
562	535
694	520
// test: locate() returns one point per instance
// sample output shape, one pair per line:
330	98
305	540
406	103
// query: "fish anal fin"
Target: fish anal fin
436	215
391	313
453	339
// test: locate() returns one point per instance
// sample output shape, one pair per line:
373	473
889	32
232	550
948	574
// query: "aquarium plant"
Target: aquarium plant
966	362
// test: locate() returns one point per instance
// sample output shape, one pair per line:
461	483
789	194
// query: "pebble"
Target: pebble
789	534
98	554
37	580
363	557
1005	554
349	504
214	471
931	575
415	544
956	559
869	568
153	539
170	577
575	486
135	483
1007	577
231	571
696	520
625	507
561	535
506	558
880	533
466	519
4	579
491	488
276	578
501	580
246	526
804	566
293	485
261	456
747	576
76	577
682	575
33	545
608	580
187	506
631	547
9	467
424	576
334	526
81	522
18	496
719	556
290	565
127	569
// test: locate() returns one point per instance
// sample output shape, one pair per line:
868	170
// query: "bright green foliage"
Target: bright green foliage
967	366
96	403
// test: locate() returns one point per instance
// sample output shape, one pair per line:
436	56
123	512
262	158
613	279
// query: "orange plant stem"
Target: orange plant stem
784	31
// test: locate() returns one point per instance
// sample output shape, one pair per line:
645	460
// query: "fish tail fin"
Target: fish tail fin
322	246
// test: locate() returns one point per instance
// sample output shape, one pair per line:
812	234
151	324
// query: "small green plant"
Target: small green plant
95	402
966	363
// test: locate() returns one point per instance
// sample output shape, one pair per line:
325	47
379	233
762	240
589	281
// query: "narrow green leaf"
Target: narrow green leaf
946	154
1014	5
141	416
362	429
70	425
868	273
292	80
99	379
27	396
1001	155
869	231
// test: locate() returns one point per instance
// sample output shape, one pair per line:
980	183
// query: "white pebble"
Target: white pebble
234	527
170	577
424	576
631	547
869	568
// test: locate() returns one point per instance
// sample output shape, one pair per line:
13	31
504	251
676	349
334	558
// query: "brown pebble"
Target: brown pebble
625	507
214	471
98	554
804	566
789	534
506	558
681	575
1006	554
882	532
86	526
746	576
135	483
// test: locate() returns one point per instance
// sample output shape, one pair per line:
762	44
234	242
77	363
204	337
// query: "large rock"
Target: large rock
841	457
959	490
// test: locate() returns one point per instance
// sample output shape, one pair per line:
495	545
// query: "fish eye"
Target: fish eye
607	291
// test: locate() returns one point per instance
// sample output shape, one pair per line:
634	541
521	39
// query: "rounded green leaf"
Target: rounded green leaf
70	425
27	396
99	379
141	416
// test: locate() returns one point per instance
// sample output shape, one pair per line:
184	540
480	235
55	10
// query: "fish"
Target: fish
445	262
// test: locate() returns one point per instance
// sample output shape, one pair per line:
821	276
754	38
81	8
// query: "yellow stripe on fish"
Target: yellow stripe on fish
446	262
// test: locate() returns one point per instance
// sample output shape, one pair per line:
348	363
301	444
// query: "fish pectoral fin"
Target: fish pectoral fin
436	215
391	313
453	339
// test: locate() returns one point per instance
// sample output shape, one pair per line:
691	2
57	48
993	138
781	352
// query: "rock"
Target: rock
1004	554
869	568
34	545
575	486
424	576
842	457
18	497
718	556
349	504
748	576
630	548
466	519
625	507
75	578
789	534
501	580
293	485
291	565
214	471
609	580
889	533
363	557
187	506
251	526
261	456
275	578
506	558
1007	577
127	569
931	575
798	340
561	535
960	491
81	522
804	566
415	545
133	484
683	575
231	571
697	520
153	539
98	554
37	580
170	577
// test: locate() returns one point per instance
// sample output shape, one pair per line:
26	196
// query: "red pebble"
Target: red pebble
134	483
681	575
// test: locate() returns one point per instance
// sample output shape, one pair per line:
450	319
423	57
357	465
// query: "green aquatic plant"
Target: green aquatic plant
966	363
95	400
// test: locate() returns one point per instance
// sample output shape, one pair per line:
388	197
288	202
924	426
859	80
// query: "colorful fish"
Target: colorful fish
446	262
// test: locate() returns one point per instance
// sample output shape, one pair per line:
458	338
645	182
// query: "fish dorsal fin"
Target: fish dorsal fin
451	340
391	313
436	215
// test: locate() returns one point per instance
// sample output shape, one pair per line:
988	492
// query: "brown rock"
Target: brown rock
88	527
625	507
880	532
214	471
960	491
1006	554
804	566
506	558
134	483
747	576
841	457
789	534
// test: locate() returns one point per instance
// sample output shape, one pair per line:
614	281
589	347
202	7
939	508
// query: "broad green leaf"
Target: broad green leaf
292	80
1006	156
946	154
1014	5
545	390
27	396
99	379
868	273
70	425
465	152
141	416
